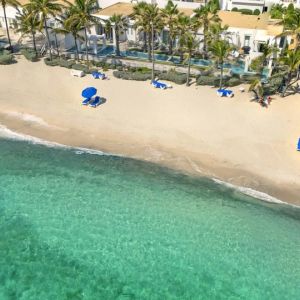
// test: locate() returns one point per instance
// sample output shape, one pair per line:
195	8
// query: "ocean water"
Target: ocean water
79	226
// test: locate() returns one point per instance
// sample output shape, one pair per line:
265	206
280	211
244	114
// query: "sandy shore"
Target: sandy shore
190	129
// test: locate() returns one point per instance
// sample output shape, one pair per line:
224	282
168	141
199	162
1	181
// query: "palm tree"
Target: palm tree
82	17
292	62
170	15
28	24
220	50
277	11
206	16
291	23
190	43
4	3
140	21
70	27
153	17
45	9
257	88
183	25
120	24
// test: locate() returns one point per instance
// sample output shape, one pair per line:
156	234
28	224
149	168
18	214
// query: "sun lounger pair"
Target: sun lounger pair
98	75
92	102
159	85
225	93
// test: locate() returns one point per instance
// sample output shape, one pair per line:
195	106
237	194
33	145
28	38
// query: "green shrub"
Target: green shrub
233	81
208	80
29	55
246	11
54	62
132	75
6	58
66	63
248	78
173	76
80	67
256	12
235	9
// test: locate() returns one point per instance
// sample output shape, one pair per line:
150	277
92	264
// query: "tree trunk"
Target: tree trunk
149	46
56	44
221	77
188	71
152	36
117	42
34	44
76	47
181	56
86	45
204	41
7	30
48	39
145	41
170	44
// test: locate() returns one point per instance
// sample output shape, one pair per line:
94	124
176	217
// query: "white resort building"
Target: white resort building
247	32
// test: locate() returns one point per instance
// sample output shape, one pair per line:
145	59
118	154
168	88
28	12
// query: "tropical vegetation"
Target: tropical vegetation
184	38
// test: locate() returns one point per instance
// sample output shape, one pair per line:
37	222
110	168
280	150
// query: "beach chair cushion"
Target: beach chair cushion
95	102
86	101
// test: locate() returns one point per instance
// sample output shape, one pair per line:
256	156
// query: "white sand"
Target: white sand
190	129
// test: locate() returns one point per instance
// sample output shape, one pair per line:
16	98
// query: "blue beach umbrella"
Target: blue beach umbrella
89	92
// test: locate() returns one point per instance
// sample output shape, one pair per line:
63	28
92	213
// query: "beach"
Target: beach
189	129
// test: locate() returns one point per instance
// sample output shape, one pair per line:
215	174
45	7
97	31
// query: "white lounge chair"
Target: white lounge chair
77	73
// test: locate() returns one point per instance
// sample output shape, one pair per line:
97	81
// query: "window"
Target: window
247	40
282	42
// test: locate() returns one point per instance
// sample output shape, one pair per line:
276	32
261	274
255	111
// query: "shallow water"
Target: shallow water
103	227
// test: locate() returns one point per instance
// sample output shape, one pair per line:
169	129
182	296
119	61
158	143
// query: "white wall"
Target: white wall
10	14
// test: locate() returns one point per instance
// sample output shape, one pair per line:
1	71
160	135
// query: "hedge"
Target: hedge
52	63
208	80
173	76
132	75
246	11
6	58
66	63
80	67
233	81
29	55
256	12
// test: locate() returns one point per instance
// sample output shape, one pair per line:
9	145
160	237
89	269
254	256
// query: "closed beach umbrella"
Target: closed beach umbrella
89	92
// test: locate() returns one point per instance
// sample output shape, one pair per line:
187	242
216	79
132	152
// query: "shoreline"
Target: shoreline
174	128
7	133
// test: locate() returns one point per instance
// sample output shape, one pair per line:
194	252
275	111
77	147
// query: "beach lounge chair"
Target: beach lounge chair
86	101
298	146
77	73
95	102
225	93
159	85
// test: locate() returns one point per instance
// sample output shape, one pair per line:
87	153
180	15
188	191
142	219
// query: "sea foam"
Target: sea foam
13	135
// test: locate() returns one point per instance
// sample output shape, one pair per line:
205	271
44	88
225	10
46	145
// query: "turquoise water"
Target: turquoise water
103	227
